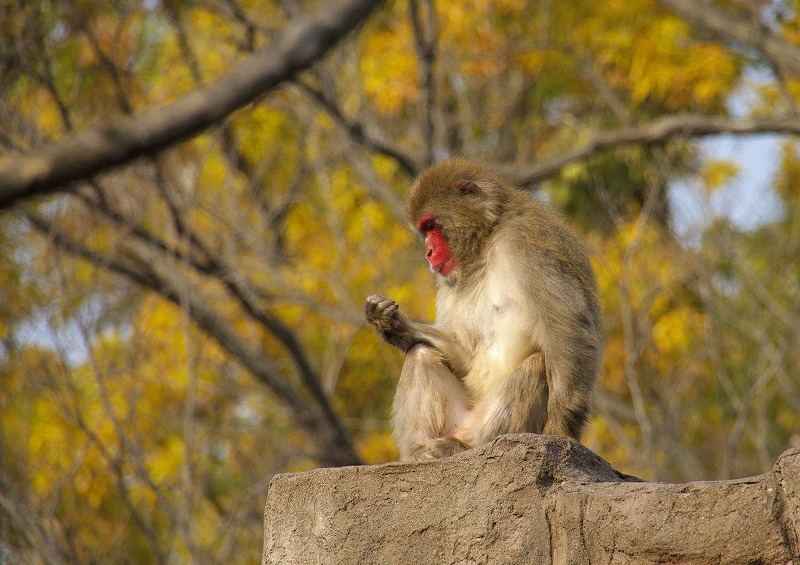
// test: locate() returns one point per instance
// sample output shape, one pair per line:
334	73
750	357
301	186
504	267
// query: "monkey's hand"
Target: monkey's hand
395	327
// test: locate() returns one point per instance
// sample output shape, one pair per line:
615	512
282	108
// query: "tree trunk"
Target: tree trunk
529	498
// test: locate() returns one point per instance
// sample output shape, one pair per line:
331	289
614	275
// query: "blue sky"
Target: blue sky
748	200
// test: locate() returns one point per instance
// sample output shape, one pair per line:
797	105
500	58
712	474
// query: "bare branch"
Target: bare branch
101	205
216	268
106	61
333	447
741	30
660	131
425	44
80	156
365	135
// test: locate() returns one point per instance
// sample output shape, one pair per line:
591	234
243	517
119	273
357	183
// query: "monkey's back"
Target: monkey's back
554	255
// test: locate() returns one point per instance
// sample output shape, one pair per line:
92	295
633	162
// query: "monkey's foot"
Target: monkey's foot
382	313
438	448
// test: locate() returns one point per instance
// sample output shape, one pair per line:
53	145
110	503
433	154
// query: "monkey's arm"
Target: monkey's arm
573	350
404	333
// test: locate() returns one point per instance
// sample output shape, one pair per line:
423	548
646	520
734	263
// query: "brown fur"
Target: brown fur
516	346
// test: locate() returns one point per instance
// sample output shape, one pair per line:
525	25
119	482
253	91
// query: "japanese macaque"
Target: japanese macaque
516	345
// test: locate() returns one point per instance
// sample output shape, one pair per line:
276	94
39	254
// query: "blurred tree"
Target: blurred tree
197	203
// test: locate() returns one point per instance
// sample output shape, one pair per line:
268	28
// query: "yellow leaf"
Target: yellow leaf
718	173
675	331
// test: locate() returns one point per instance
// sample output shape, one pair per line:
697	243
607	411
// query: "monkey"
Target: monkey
517	341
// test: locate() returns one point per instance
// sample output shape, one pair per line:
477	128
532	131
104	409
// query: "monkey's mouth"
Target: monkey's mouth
445	268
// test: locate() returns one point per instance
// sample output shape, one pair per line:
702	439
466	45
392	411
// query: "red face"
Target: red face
436	250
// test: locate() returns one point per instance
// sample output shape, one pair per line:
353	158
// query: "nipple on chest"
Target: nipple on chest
496	308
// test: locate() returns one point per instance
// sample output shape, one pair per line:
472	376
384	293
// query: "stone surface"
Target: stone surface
527	498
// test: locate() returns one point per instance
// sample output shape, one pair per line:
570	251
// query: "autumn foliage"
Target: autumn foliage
178	329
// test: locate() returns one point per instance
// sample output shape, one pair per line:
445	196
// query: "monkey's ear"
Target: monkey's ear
465	186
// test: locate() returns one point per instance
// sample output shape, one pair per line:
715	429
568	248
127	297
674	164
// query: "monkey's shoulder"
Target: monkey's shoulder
529	263
536	233
538	224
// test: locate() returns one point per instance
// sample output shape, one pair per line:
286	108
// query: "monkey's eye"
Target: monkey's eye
426	224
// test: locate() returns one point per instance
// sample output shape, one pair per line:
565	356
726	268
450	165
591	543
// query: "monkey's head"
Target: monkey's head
455	205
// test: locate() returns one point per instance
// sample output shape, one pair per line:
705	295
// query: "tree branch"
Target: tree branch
365	135
333	447
727	26
216	268
80	156
425	44
660	131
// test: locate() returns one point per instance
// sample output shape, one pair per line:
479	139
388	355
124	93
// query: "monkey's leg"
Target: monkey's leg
430	407
518	404
569	403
